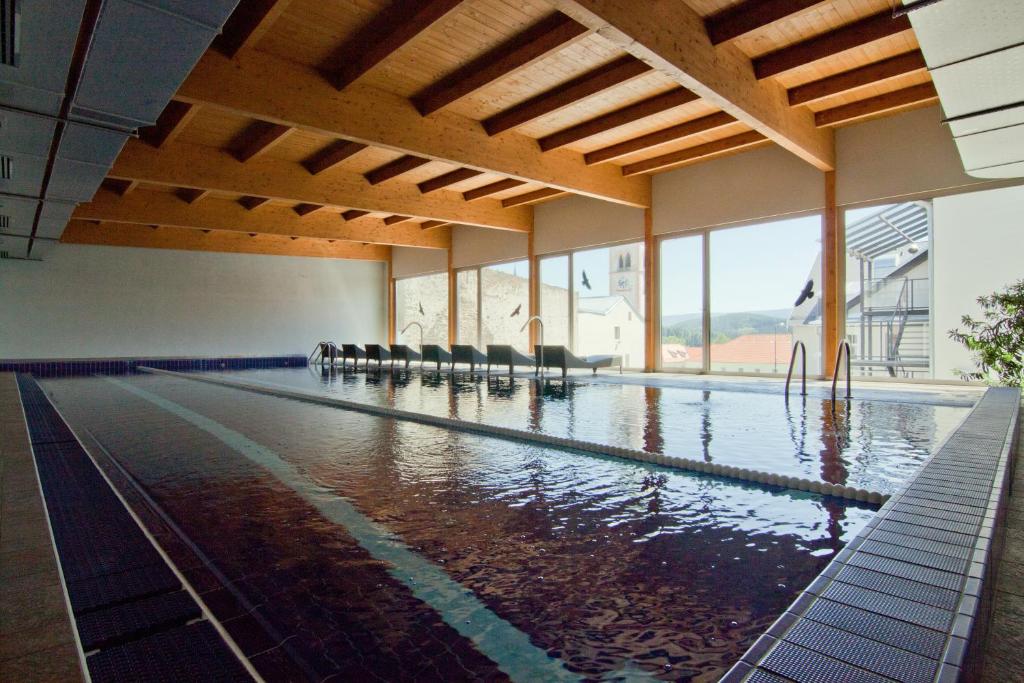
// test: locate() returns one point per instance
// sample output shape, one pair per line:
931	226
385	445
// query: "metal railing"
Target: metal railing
318	352
803	368
843	345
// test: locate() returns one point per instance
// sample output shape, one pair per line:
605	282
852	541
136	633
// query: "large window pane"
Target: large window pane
757	273
505	305
554	299
466	294
682	303
888	289
422	300
609	302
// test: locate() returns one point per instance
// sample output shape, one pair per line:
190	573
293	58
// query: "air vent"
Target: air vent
6	167
10	28
5	221
4	254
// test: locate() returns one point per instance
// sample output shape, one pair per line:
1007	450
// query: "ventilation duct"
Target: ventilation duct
975	53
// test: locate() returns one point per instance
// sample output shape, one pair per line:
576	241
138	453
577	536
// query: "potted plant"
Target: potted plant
997	338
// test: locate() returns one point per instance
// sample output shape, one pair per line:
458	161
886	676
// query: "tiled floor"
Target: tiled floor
1004	649
36	640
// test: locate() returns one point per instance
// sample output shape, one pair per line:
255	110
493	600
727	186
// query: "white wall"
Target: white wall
410	261
473	246
976	251
576	222
95	302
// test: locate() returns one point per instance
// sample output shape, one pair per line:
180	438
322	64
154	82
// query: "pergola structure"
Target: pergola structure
341	129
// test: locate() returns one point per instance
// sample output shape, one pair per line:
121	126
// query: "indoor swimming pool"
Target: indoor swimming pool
336	544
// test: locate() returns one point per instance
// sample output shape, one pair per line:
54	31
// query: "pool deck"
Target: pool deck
37	641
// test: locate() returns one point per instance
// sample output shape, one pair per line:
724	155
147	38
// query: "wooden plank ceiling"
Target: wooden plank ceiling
329	128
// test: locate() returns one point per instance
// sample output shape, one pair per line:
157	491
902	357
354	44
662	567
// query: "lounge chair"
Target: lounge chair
564	359
504	354
434	353
377	352
352	351
328	353
403	354
469	355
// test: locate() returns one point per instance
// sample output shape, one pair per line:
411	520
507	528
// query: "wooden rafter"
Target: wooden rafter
907	63
620	117
183	165
395	168
130	235
258	138
251	203
914	96
149	206
670	36
191	195
261	86
660	137
868	30
306	209
543	38
386	33
247	24
121	187
532	197
430	225
728	145
331	155
392	220
492	188
169	125
450	178
751	15
353	214
597	80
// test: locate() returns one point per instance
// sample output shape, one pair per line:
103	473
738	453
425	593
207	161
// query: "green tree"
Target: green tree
997	339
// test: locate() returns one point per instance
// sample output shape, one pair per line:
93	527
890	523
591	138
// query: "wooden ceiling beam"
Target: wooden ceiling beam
121	187
670	36
258	138
450	178
248	24
395	168
492	188
547	36
699	152
261	86
907	63
746	17
660	137
620	117
430	225
616	72
868	30
131	235
392	220
191	195
169	125
331	155
906	98
306	209
382	36
148	206
353	214
183	165
250	203
532	197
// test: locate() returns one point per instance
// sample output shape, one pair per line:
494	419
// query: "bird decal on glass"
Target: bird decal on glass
807	293
586	280
421	308
516	312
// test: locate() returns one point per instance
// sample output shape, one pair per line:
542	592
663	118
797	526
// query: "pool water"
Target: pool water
867	444
357	547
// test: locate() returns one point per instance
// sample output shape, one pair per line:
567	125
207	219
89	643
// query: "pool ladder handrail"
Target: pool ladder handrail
316	349
803	368
844	345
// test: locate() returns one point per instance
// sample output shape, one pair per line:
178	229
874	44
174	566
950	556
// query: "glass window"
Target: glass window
422	300
467	311
758	276
682	303
554	299
608	293
505	304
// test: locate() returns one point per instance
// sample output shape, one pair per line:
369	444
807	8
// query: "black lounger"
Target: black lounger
378	353
352	351
469	355
403	354
434	353
564	359
504	354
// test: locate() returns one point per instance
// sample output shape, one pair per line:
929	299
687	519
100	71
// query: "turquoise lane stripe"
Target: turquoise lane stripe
503	643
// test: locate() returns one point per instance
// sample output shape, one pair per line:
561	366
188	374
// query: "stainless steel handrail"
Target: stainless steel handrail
843	345
318	347
803	368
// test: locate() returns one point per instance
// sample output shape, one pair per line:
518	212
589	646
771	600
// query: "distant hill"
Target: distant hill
685	329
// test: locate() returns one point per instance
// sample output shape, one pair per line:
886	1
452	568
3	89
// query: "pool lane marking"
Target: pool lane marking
503	643
686	464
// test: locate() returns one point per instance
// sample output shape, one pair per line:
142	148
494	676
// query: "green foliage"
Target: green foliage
724	327
997	339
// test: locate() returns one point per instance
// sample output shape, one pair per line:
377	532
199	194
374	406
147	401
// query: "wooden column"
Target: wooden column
650	294
452	300
534	287
391	303
833	266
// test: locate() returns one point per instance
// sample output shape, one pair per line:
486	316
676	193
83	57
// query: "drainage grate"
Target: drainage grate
10	29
